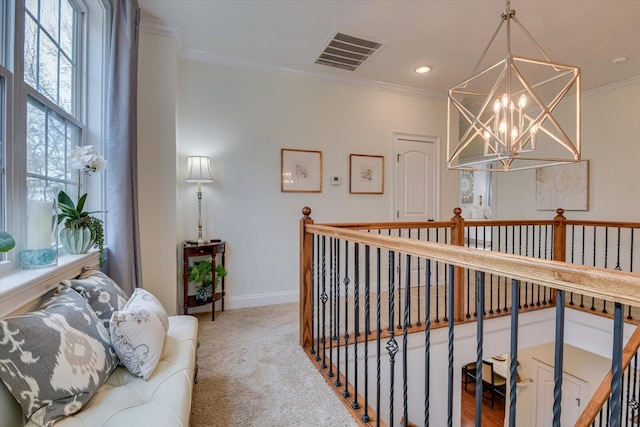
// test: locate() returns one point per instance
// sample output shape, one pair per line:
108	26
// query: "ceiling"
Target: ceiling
448	35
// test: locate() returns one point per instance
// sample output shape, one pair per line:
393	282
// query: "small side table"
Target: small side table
193	253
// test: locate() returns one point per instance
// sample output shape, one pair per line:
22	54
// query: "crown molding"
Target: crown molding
163	28
202	56
612	86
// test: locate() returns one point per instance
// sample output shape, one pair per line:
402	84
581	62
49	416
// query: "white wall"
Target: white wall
610	129
157	73
242	118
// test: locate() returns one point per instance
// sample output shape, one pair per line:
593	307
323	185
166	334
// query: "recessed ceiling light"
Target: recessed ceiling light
423	69
619	59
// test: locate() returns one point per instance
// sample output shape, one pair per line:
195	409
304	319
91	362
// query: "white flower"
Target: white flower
87	159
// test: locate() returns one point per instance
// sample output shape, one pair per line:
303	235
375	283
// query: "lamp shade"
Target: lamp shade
199	169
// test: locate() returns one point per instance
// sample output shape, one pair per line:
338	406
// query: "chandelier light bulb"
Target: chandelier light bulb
514	133
503	127
522	101
505	100
496	106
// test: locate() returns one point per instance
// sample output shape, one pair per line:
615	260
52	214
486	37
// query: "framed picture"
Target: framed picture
466	187
563	186
366	174
301	171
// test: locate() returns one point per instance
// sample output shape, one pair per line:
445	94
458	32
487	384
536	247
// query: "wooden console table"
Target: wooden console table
193	253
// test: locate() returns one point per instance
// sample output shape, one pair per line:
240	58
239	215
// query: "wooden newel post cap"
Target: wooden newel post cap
560	212
457	211
306	211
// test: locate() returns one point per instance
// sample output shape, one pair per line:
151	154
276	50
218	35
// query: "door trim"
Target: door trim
397	136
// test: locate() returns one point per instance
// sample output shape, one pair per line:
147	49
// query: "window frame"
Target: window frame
93	22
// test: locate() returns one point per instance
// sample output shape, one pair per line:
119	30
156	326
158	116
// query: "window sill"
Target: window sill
20	287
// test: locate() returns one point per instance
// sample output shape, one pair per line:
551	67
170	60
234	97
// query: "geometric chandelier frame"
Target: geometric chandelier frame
520	113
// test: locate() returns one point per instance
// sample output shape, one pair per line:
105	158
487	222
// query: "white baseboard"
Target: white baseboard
246	301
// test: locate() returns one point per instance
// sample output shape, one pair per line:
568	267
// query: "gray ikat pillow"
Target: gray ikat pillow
54	360
104	295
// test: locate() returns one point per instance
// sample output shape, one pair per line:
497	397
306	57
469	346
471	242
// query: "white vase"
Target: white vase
76	240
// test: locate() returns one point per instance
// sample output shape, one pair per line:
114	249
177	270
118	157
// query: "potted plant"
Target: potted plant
81	231
6	241
200	274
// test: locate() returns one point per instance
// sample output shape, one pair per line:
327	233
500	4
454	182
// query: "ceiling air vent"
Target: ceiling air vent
347	52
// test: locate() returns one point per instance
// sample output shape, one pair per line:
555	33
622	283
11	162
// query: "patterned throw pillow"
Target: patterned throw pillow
137	334
145	299
54	360
104	295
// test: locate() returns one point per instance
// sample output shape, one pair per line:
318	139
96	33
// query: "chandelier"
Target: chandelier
520	113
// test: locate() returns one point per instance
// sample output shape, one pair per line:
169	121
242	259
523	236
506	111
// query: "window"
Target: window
52	60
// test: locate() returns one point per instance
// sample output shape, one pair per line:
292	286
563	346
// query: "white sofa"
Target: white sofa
128	400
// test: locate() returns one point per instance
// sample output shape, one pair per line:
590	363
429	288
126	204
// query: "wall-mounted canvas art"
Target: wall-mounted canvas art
301	171
366	174
563	186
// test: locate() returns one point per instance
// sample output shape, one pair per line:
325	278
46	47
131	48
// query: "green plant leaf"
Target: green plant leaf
6	241
81	202
64	199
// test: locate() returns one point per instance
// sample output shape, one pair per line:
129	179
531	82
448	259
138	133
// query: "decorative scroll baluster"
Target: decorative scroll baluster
392	345
323	299
356	320
479	345
451	300
559	358
427	339
405	335
367	327
634	400
513	358
448	308
345	392
616	367
379	330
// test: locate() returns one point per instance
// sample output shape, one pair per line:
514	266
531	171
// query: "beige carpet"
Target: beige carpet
252	372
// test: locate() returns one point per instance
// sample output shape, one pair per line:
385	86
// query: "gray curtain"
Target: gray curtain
123	237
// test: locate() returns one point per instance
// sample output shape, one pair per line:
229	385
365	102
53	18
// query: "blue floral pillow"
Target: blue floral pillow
54	360
104	295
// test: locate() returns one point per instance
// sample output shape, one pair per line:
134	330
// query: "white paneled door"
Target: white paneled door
416	178
574	397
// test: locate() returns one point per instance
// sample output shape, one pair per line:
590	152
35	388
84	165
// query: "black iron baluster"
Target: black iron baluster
405	334
634	399
606	259
546	247
559	358
498	310
356	321
506	250
520	253
468	315
427	339
319	272
616	367
539	256
314	286
332	281
323	299
400	286
479	345
630	269
513	358
451	303
526	253
573	235
491	275
593	299
367	282
379	331
419	322
628	389
437	320
448	308
345	392
582	263
337	382
392	345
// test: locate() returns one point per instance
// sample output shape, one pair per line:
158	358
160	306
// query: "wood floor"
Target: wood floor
490	417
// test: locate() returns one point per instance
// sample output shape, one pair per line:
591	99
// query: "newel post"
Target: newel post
559	239
457	238
306	284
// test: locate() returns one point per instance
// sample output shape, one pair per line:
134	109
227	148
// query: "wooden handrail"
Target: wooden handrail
614	224
604	391
590	281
